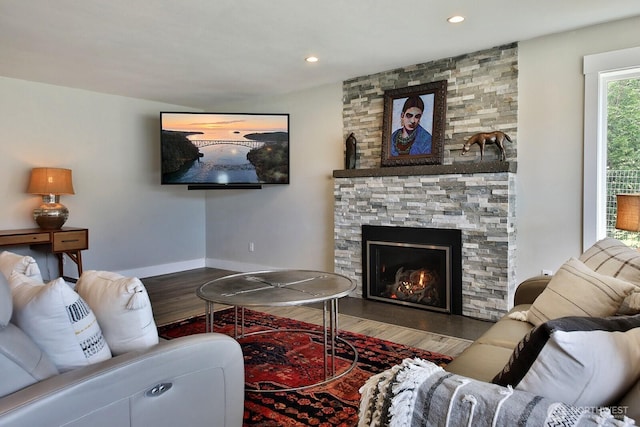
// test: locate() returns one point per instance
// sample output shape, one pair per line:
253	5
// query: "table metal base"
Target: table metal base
329	333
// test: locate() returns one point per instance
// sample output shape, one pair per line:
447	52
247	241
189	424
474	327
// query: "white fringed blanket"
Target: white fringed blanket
418	393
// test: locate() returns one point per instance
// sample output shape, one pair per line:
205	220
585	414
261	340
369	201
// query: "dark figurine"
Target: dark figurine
350	152
481	139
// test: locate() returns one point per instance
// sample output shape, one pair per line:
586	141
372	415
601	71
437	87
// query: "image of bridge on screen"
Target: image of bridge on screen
224	148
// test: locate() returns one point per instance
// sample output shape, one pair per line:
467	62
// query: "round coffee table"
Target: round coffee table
284	288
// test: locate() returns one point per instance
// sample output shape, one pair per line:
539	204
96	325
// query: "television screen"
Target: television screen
221	149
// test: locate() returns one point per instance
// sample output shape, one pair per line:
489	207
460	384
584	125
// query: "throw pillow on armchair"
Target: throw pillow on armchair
24	264
122	307
59	321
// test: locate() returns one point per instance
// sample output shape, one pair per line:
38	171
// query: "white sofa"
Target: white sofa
192	381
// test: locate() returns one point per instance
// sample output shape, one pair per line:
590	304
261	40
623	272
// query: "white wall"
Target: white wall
111	143
291	225
550	141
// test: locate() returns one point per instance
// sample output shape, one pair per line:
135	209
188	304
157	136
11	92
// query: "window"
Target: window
622	145
607	76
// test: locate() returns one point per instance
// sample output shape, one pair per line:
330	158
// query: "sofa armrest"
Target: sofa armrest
203	378
529	290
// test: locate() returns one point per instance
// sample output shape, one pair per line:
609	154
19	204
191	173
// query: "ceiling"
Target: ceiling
203	53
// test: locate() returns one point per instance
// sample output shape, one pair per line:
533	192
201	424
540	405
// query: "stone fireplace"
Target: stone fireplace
417	267
477	200
475	197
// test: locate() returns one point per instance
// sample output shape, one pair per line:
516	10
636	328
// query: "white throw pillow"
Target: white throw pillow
59	321
585	361
122	307
23	264
576	290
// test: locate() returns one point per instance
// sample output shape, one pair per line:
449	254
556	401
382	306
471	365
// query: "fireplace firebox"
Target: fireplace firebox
417	267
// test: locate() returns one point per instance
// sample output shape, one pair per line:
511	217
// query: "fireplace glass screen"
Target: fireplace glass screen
410	274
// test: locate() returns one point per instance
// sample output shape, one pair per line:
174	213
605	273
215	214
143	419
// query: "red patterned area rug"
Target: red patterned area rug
283	360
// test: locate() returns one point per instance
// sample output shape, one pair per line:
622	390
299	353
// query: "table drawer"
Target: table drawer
70	240
24	239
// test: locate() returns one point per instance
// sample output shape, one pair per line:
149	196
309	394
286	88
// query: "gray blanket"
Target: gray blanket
418	393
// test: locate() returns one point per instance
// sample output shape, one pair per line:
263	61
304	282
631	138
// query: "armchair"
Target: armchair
196	381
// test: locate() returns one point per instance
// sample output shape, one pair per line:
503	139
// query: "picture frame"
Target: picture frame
421	142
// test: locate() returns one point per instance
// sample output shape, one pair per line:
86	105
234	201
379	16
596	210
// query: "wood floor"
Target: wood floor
173	298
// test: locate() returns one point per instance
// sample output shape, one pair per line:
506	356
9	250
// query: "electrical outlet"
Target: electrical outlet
252	247
547	272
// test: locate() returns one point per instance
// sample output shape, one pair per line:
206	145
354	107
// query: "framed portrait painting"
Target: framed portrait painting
413	125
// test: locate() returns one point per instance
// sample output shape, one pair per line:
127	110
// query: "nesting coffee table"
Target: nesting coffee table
284	288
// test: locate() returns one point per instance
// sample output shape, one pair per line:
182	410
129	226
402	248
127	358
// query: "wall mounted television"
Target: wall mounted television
224	150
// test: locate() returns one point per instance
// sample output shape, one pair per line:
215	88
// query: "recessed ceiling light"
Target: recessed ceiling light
455	19
311	59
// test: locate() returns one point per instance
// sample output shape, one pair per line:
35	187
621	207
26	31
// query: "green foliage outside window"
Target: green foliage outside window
623	149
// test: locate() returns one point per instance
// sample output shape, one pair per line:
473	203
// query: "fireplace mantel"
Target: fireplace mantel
456	168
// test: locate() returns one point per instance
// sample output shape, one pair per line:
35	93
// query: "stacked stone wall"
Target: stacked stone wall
482	95
480	205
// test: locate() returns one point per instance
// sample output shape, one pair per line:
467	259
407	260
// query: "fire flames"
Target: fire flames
416	285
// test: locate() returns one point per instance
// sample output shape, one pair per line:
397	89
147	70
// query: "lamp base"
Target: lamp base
52	214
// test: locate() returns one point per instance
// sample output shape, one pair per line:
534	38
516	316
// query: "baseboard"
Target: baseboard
242	267
158	270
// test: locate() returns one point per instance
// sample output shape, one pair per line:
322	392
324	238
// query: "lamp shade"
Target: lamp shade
628	216
50	181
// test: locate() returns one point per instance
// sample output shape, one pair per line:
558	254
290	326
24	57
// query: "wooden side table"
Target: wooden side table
67	240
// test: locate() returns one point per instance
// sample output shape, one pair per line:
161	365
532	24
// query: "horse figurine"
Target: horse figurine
481	139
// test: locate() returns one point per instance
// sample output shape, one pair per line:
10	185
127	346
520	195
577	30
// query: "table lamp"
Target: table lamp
628	216
50	183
